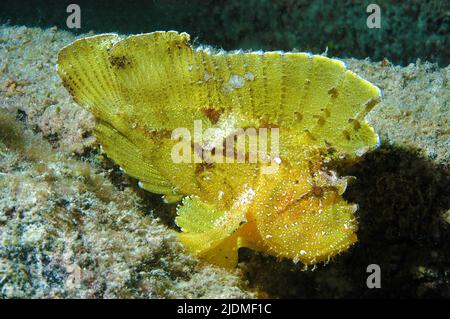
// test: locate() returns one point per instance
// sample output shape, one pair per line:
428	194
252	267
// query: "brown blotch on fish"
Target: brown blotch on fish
320	120
119	62
201	167
356	123
212	114
298	116
317	191
371	103
346	134
333	92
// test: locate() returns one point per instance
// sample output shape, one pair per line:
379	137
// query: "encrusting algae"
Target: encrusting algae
143	87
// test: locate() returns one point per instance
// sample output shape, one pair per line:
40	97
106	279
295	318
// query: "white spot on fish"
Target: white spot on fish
236	81
206	76
249	76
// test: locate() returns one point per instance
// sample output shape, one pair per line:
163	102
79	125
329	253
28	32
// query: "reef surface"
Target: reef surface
73	225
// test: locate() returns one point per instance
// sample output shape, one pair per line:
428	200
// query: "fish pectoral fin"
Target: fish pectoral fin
209	233
131	159
212	248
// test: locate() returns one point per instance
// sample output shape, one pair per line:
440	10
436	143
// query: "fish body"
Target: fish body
150	94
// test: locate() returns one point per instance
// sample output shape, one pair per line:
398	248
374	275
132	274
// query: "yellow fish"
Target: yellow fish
152	92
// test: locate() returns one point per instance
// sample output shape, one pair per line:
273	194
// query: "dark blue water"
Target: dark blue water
408	29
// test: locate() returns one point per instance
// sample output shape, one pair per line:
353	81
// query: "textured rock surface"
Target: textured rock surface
72	225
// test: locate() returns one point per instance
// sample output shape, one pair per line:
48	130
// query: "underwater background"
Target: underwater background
73	225
410	30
